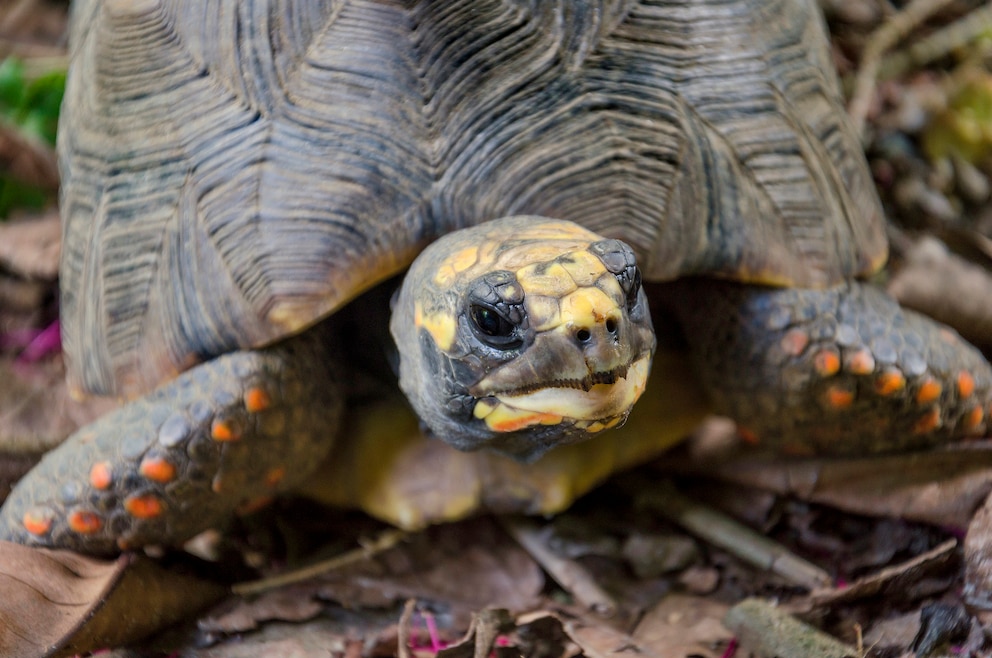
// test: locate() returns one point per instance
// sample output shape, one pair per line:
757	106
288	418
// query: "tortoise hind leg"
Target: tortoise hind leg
839	371
164	467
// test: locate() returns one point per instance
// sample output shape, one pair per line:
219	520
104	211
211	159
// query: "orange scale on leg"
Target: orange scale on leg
890	382
826	362
101	475
928	422
257	399
37	521
966	384
84	522
972	421
929	391
225	430
838	397
144	506
157	469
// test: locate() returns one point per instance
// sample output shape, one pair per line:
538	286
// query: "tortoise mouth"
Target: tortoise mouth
586	384
593	403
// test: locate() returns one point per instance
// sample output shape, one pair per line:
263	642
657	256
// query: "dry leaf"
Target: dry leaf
469	566
63	603
942	487
892	581
682	625
295	603
47	595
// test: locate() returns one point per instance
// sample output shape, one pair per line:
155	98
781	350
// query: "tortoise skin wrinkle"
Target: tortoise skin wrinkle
303	150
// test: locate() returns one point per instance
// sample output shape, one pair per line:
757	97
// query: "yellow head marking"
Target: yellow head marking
583	267
440	326
455	264
588	306
548	280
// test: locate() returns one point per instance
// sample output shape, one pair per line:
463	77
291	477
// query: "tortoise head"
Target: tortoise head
522	334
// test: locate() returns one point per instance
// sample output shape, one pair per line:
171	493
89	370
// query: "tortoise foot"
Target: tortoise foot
222	436
839	371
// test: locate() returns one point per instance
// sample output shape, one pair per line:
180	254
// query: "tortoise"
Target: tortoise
234	173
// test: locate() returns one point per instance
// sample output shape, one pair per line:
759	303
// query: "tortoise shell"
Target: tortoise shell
235	171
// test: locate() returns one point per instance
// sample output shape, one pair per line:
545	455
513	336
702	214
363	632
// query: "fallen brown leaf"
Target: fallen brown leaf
892	581
47	595
683	625
469	565
598	640
942	487
59	603
294	603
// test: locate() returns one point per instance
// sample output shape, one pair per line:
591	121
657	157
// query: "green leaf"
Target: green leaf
40	108
17	194
11	85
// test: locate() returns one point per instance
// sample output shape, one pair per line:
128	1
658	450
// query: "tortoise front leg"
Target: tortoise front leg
844	370
221	436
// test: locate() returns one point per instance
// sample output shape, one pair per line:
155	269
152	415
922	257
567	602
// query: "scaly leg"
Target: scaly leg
221	436
839	371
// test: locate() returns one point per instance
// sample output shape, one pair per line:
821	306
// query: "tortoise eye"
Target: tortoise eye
493	327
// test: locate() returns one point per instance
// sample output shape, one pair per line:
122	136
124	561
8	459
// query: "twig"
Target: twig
738	539
880	41
934	46
383	542
403	634
568	573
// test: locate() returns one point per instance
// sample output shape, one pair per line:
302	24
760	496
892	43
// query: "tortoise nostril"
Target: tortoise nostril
583	335
611	325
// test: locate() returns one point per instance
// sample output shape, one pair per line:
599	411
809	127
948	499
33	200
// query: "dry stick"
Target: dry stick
726	533
403	634
882	39
950	37
567	573
383	542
